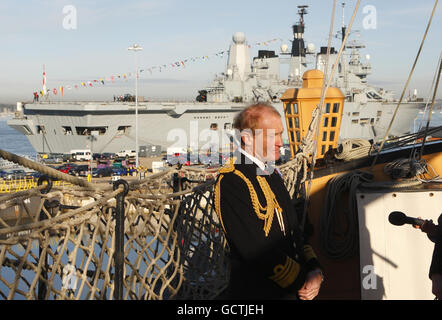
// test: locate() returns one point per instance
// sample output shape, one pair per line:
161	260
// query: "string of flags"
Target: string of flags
158	68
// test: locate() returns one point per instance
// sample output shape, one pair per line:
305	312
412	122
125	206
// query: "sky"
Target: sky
85	40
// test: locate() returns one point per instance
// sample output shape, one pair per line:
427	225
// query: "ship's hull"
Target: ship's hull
372	119
57	128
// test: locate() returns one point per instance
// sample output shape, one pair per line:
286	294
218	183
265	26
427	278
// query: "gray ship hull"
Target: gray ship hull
60	128
57	128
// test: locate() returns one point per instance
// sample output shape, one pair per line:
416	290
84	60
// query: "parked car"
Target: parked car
102	172
52	160
81	155
79	170
65	168
103	163
108	155
2	174
118	162
67	157
35	174
214	159
119	171
127	153
15	174
187	159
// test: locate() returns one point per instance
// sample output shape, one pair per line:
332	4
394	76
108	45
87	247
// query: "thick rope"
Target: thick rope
339	239
352	149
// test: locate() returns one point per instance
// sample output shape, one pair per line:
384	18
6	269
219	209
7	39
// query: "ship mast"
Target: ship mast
297	59
298	47
302	11
343	28
343	61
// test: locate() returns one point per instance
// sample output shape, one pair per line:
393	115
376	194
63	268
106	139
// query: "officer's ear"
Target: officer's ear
247	137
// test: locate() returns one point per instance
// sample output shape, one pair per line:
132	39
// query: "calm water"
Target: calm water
436	119
13	141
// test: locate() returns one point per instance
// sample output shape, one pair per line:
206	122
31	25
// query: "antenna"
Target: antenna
302	11
343	10
343	22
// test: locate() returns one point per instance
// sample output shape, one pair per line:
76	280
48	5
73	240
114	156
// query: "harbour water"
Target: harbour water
13	141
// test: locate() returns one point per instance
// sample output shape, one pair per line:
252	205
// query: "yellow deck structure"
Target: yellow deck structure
299	104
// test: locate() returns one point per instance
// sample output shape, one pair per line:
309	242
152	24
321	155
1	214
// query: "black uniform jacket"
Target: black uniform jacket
436	261
263	267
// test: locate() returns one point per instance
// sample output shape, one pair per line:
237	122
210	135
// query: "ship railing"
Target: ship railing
23	184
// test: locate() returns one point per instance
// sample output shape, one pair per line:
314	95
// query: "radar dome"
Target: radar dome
311	48
284	48
239	37
229	72
367	57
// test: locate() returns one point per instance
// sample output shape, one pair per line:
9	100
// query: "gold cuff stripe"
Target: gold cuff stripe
285	275
309	253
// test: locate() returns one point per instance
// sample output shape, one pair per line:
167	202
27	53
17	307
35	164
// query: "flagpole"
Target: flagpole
44	90
136	48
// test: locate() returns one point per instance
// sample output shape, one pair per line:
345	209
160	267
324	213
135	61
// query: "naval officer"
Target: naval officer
434	233
270	258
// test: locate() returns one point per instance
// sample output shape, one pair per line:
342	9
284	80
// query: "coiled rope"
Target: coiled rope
339	239
352	149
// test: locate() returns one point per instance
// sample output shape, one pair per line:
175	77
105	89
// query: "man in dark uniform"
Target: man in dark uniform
269	257
434	233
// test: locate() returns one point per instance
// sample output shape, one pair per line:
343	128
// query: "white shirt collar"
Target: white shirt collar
258	162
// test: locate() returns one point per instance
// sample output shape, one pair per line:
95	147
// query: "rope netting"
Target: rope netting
63	244
155	238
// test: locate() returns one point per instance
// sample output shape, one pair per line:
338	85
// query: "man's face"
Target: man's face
268	138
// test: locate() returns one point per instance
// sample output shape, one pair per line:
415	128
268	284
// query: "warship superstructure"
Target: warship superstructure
59	127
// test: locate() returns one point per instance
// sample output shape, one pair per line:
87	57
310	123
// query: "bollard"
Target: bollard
119	239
